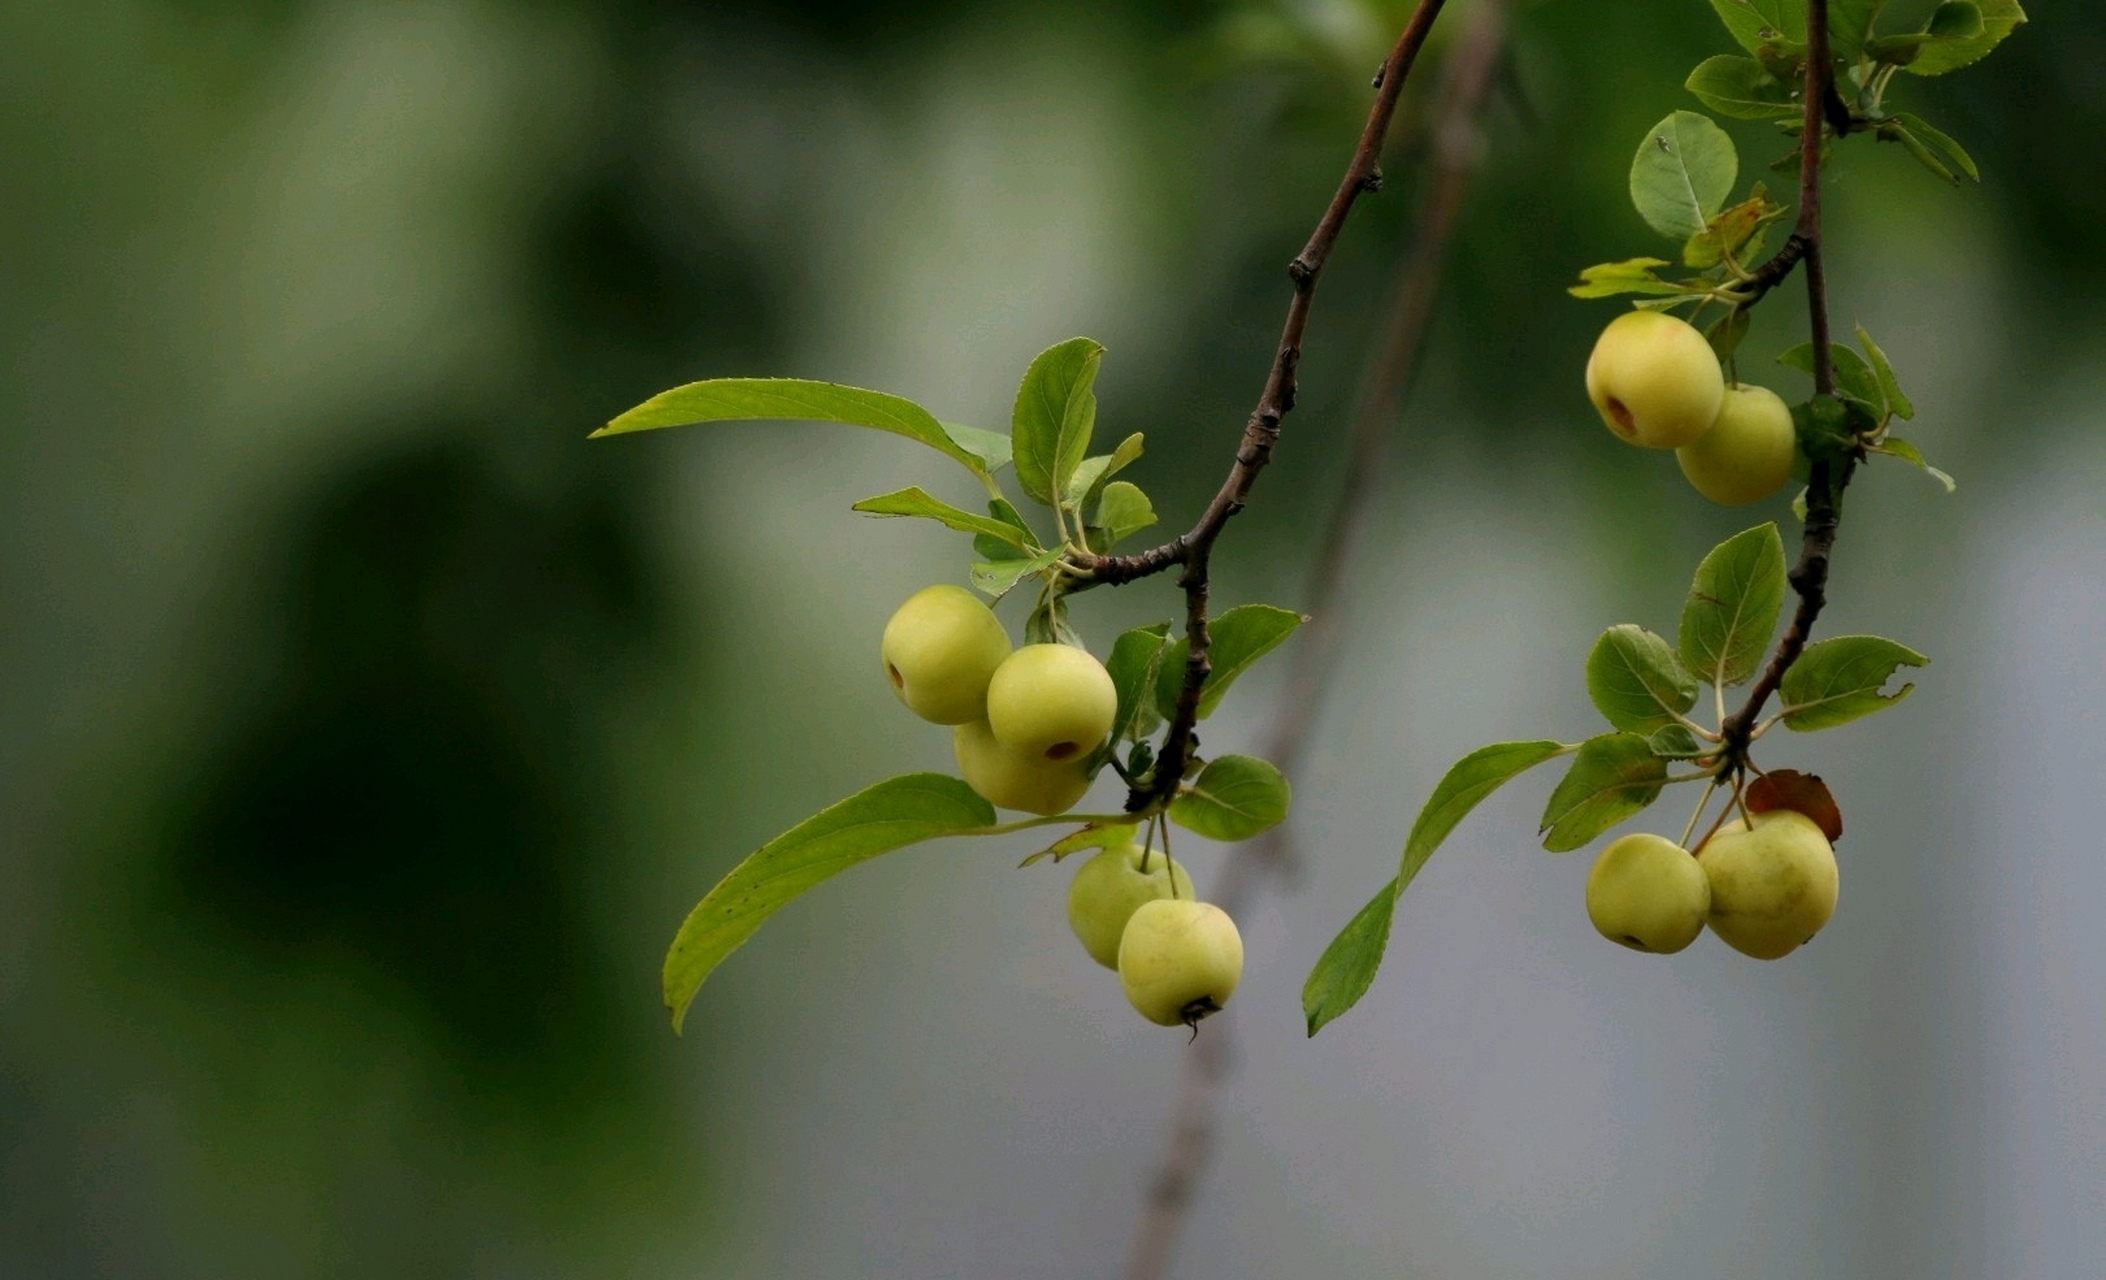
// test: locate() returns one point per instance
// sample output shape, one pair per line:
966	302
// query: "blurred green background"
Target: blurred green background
364	732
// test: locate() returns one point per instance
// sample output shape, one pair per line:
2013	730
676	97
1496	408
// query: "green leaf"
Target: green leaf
1636	680
760	399
1021	544
1676	742
1999	19
914	502
1947	153
1056	411
998	577
1613	776
1109	836
1233	798
1682	174
1348	965
888	816
1132	667
1608	279
1849	24
1467	782
1730	229
1837	680
1733	606
1123	510
1090	477
1883	372
1741	88
990	447
1895	446
1853	377
1764	26
1238	638
1955	20
1724	334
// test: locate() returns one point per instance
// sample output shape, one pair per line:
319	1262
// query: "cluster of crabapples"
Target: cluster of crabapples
1026	723
1765	884
1658	385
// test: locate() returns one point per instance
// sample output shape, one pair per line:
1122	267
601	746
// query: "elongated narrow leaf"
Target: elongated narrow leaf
1612	777
1889	385
1109	836
1999	19
914	502
1132	666
1467	782
1635	275
1682	174
1239	637
1942	144
1897	447
1839	679
998	577
1741	88
888	816
762	399
1636	681
1733	606
1056	410
1347	967
1233	798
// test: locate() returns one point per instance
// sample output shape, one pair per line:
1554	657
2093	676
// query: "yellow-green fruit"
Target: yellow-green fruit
941	650
1747	454
1014	780
1051	701
1772	886
1655	380
1111	887
1179	960
1647	893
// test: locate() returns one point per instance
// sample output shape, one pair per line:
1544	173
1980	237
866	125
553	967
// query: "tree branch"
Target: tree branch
1809	577
1465	87
1262	431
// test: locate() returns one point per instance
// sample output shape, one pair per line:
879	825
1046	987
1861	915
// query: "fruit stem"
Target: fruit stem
1702	803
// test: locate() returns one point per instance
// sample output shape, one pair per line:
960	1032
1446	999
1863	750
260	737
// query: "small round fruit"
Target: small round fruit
1014	780
1772	886
941	650
1051	701
1747	454
1647	893
1655	380
1179	960
1110	887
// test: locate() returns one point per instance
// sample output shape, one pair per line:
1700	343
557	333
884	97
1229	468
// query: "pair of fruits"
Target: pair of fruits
1178	959
1764	889
1658	385
1026	720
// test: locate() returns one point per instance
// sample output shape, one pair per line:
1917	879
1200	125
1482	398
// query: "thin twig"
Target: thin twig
1262	431
1466	85
1809	577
